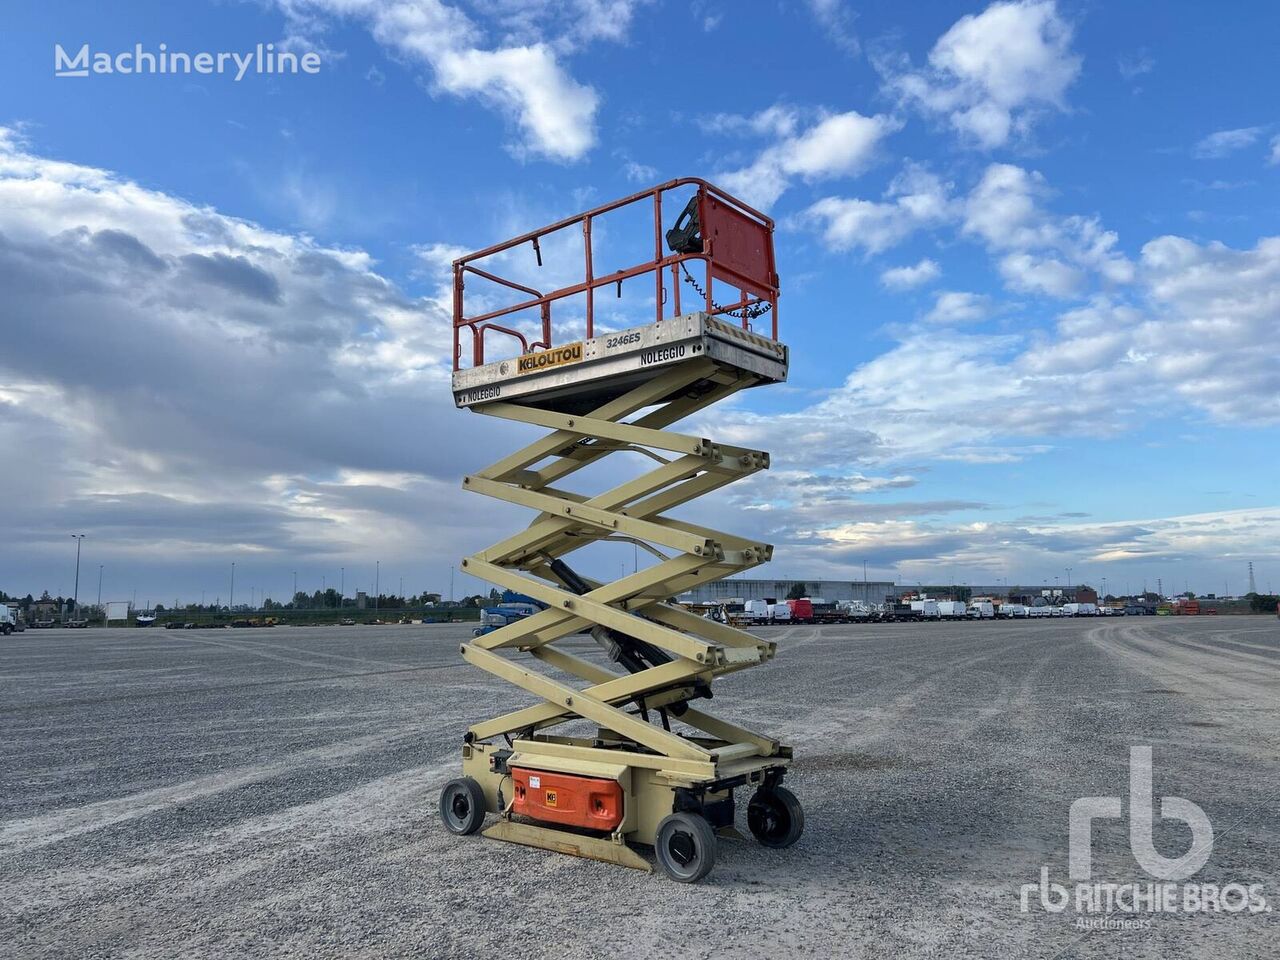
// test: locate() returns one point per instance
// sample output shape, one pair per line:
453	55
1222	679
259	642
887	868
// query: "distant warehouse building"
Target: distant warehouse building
873	591
1015	593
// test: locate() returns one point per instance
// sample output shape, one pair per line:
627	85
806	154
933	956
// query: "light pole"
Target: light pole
231	603
99	586
295	588
75	600
377	581
342	587
451	584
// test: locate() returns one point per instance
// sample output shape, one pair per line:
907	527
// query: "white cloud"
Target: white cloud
233	393
915	275
639	172
1192	343
1031	274
932	393
934	549
916	199
1136	65
555	113
1195	342
1004	209
1218	311
989	72
835	145
439	256
1225	142
211	386
1274	158
1040	252
1035	251
836	21
954	306
437	266
779	120
599	20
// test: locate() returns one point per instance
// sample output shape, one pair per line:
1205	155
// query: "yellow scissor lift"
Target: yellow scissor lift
657	770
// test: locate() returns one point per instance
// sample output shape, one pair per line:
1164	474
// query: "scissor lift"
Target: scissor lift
657	769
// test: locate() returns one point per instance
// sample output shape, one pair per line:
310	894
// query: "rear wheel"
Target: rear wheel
775	817
686	847
462	806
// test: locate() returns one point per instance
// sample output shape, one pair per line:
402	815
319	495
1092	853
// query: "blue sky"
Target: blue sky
1028	254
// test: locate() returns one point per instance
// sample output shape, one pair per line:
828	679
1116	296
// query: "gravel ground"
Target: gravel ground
272	792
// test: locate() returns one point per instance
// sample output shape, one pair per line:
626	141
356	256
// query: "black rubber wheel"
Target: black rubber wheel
462	806
775	817
686	847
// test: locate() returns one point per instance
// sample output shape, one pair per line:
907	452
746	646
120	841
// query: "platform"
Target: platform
581	376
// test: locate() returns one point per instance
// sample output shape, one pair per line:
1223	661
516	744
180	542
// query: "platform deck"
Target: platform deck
581	376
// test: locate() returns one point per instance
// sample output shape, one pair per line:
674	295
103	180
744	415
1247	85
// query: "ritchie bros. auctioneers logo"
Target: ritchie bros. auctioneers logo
137	60
1130	905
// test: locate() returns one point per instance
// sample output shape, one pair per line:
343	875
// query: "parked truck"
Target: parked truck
857	611
824	612
1079	609
928	609
15	616
982	609
801	610
899	612
952	609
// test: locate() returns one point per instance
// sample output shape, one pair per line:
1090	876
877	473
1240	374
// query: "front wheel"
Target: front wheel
462	806
686	847
775	817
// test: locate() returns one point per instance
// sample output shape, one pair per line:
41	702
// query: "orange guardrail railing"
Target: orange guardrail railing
733	241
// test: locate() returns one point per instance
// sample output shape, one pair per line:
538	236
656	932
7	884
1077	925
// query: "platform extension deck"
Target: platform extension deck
580	376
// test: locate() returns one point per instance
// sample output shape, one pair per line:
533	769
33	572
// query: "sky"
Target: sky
1029	256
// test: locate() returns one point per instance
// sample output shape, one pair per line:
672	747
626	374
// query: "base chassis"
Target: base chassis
652	788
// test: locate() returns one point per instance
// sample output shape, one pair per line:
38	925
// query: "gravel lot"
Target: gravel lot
272	792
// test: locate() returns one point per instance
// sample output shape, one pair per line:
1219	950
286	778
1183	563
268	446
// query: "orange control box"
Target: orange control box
564	798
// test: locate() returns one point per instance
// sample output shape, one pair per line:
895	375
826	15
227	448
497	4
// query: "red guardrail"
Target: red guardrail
734	241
